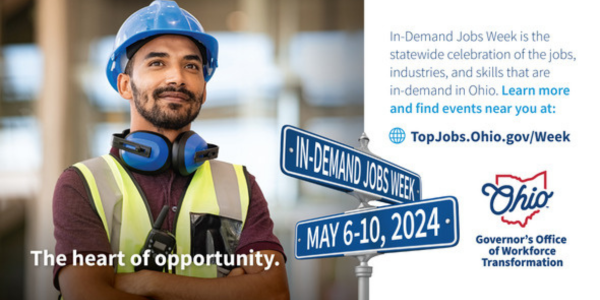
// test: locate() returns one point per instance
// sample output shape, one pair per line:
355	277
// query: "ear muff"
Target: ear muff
152	153
143	151
190	151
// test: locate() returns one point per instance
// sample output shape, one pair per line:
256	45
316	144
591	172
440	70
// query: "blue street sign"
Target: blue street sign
419	225
310	157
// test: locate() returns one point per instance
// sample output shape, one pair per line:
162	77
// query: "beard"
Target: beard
170	117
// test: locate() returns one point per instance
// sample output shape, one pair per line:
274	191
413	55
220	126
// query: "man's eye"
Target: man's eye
156	63
193	66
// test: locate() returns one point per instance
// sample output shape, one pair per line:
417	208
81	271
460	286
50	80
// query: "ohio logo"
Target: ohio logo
517	200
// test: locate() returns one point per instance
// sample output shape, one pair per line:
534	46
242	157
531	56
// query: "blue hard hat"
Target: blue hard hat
160	17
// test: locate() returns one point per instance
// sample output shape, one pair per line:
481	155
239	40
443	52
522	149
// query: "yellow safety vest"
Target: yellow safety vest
216	188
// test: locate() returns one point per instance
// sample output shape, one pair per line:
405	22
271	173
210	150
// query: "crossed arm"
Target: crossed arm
247	282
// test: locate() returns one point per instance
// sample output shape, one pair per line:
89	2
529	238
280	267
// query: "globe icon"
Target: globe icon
397	135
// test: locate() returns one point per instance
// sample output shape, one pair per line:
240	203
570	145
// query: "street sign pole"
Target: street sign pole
363	271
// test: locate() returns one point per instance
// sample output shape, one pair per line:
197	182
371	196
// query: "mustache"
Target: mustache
156	93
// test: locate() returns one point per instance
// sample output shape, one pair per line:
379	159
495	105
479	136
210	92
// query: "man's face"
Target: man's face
167	84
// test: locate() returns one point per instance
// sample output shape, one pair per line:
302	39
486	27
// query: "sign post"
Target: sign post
363	273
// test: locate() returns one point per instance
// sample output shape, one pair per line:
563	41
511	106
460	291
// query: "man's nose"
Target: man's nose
174	76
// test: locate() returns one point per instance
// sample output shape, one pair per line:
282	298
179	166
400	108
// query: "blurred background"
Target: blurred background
297	62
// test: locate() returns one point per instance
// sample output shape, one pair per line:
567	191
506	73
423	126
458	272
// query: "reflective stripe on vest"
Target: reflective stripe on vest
217	188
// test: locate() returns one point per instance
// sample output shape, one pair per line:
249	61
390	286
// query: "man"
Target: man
161	64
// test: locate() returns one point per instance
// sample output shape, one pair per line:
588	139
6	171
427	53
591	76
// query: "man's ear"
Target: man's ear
204	94
124	86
